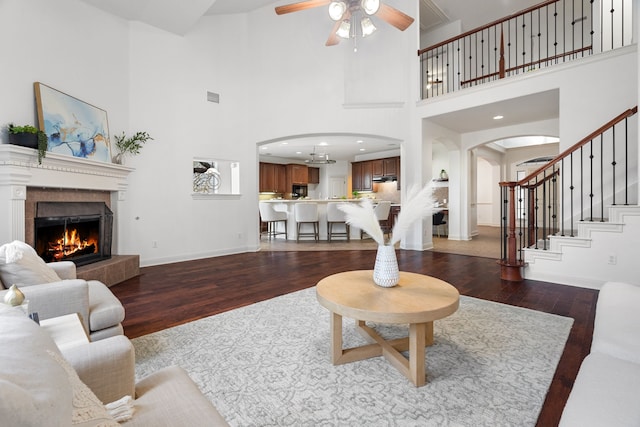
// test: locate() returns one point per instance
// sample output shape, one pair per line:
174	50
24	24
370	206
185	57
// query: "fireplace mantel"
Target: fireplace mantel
19	169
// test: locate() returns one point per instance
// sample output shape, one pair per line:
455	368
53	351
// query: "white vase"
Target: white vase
14	296
385	271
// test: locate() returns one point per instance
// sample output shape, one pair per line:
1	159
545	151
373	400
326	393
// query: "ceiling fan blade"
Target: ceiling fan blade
295	7
393	16
333	37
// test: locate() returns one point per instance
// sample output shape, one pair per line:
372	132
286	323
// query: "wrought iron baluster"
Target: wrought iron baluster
572	193
613	162
581	184
591	179
601	177
562	174
626	162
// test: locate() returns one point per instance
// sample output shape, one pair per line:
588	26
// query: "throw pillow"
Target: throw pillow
86	405
21	265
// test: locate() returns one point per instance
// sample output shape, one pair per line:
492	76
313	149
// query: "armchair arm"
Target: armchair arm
59	298
107	367
64	269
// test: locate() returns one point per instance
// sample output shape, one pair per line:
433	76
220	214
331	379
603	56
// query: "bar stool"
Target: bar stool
272	217
307	213
336	216
382	210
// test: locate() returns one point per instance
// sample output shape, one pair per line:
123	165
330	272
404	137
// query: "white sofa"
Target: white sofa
38	387
53	290
607	389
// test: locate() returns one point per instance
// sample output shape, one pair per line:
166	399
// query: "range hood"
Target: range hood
384	178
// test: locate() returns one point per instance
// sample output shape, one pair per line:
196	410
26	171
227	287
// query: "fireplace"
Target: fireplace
73	231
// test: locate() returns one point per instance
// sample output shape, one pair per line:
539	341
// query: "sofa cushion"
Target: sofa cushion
617	322
34	388
170	398
21	265
87	409
605	393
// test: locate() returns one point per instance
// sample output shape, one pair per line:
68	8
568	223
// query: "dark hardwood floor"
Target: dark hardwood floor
172	294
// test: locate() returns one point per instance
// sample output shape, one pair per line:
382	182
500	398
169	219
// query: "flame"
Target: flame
70	243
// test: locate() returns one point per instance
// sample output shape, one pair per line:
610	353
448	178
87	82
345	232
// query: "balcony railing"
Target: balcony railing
549	33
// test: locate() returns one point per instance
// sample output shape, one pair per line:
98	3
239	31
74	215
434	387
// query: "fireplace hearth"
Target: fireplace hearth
73	231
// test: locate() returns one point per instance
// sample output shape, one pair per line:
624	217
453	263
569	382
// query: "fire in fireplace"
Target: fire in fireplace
73	231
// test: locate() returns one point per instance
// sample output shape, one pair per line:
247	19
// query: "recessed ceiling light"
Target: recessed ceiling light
324	143
359	141
264	147
284	143
362	149
498	117
298	152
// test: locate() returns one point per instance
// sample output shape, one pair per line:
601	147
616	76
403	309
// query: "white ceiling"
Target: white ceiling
179	17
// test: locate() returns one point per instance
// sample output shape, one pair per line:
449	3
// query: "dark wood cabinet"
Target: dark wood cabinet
314	175
297	174
362	176
390	166
377	167
362	173
273	178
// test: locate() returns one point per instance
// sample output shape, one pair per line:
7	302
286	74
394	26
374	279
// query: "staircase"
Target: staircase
576	219
599	251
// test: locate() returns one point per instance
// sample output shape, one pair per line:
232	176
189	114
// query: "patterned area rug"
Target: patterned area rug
268	365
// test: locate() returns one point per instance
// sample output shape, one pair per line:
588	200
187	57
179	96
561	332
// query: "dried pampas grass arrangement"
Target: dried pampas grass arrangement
419	204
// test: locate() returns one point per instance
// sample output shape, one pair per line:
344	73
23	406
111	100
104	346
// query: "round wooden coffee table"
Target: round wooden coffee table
417	300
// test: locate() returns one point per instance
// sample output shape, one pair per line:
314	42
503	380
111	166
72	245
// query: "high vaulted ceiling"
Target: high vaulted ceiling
179	17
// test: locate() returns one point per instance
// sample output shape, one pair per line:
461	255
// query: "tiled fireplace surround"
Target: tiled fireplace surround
23	183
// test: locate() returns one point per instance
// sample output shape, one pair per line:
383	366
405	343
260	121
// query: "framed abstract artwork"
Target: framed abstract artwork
74	127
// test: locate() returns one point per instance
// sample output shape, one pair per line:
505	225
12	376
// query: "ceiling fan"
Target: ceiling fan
346	12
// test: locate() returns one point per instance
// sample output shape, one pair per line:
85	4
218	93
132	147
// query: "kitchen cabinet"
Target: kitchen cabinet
363	173
377	167
297	174
390	166
362	176
314	175
272	178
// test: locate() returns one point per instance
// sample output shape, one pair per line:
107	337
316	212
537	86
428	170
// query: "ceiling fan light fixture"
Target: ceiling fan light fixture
370	7
344	31
367	27
337	10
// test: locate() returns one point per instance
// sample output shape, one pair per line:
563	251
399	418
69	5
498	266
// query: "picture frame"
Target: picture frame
73	127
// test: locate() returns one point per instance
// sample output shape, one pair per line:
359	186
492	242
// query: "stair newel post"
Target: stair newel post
511	266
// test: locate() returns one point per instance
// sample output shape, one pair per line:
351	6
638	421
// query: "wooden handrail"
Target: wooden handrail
630	112
508	70
484	27
542	181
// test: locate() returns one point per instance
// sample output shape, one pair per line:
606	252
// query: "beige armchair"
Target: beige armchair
53	290
37	388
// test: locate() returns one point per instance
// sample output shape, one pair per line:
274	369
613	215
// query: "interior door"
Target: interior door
337	187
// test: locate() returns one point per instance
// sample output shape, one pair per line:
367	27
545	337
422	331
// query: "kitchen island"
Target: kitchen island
286	205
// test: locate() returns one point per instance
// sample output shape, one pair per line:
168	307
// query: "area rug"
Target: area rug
268	364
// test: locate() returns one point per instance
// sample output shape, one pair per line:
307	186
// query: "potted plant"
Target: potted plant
29	136
130	145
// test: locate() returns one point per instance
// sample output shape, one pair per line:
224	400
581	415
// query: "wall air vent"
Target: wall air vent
213	97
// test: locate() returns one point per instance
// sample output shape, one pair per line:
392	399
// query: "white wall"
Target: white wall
275	78
87	59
